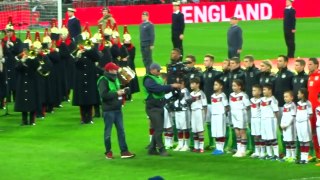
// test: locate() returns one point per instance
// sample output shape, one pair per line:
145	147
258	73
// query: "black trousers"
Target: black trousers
290	42
86	113
31	118
177	42
156	116
232	52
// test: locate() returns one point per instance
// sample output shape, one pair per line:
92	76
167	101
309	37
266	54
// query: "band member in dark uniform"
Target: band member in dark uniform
301	79
85	89
234	37
12	47
116	45
74	26
130	48
252	74
289	27
105	46
26	96
177	27
3	79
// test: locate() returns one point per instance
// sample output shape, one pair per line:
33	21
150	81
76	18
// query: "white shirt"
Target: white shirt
269	105
239	101
255	107
317	111
304	111
199	100
288	114
218	103
183	103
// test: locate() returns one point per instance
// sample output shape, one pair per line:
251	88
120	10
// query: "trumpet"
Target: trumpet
26	54
84	46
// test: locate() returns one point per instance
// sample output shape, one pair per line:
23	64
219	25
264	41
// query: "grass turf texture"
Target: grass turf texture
60	148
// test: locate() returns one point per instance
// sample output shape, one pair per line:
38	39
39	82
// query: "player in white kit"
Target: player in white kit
168	123
288	126
182	118
198	112
269	122
317	112
256	119
304	113
239	105
219	107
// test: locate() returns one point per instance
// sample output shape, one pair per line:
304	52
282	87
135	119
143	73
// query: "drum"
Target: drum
126	74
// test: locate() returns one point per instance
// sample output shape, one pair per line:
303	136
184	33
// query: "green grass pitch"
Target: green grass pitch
58	147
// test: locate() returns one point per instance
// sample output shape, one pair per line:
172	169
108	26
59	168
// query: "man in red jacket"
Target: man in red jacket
314	89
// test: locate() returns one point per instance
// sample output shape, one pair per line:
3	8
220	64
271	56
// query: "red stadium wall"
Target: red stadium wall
203	12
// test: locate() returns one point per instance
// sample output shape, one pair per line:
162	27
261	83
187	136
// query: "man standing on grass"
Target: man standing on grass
234	39
177	27
147	37
111	99
289	27
155	101
74	26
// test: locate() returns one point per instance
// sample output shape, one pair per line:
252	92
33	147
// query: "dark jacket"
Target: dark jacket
209	76
193	72
267	78
110	100
152	87
299	81
177	26
85	87
235	37
283	82
237	74
289	20
147	34
26	94
9	54
252	75
74	28
226	81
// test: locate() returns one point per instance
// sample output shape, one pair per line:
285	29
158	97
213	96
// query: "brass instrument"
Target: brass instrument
83	46
126	74
26	54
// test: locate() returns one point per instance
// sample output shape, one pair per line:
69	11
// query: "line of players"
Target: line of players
242	99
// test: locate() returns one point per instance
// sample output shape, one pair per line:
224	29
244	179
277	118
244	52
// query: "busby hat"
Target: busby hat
108	31
37	43
64	31
54	31
115	32
86	34
46	37
9	26
126	35
28	39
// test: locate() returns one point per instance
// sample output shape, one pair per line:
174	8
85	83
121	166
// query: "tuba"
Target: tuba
81	47
126	74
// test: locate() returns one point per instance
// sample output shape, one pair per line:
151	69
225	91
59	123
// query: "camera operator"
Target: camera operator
155	103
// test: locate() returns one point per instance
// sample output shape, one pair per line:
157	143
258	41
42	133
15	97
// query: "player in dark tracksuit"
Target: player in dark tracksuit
252	74
177	27
289	27
301	79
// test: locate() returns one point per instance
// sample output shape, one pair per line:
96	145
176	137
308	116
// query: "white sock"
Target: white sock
201	145
262	150
257	149
196	144
243	148
180	143
170	141
166	141
293	153
304	156
269	150
288	153
186	142
276	150
150	138
222	145
238	147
